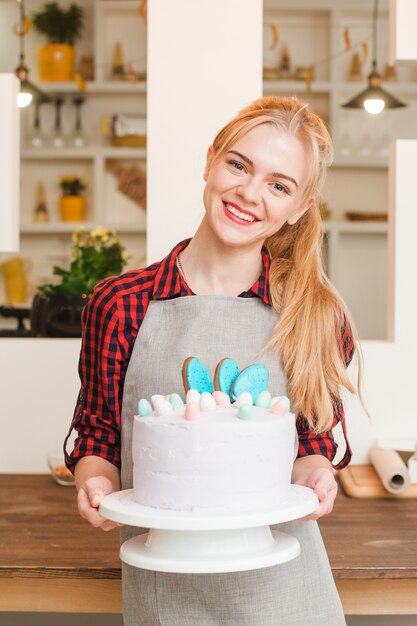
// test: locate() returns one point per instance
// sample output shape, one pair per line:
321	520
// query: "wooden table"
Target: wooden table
51	560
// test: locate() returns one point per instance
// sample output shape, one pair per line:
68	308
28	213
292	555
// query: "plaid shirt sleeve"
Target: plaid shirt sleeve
97	412
324	443
111	322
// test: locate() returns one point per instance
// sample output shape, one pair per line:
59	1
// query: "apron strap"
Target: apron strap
348	451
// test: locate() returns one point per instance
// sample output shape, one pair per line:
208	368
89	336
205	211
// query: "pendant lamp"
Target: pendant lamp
374	99
28	91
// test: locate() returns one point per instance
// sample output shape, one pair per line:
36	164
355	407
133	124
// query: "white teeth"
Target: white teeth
243	216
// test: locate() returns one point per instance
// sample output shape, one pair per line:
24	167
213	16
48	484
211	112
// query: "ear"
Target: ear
209	158
300	211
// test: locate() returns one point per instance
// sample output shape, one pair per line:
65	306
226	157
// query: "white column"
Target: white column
10	163
204	65
403	40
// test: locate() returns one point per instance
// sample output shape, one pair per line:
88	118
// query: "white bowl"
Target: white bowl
59	471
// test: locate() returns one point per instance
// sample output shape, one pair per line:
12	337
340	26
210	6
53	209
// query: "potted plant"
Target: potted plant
72	203
62	27
56	308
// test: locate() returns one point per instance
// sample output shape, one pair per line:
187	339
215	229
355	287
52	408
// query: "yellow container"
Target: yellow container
15	281
56	62
72	208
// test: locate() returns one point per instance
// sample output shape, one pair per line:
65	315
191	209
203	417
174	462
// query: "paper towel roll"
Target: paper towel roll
390	468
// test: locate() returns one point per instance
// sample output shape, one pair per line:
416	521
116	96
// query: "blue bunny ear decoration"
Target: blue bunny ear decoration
195	375
253	379
225	374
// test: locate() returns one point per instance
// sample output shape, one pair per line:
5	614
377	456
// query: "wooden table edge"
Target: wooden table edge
102	595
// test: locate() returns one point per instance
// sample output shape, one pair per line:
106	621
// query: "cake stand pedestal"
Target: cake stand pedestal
195	542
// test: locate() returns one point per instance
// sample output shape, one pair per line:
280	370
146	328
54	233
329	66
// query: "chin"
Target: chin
235	239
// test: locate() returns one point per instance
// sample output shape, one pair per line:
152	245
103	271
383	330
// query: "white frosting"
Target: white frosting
217	462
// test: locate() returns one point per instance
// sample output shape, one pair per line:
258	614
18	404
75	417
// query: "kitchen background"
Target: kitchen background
296	35
332	38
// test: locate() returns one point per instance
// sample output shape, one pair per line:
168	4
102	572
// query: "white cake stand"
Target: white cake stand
194	542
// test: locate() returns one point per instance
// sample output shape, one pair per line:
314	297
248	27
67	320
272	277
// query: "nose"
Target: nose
250	190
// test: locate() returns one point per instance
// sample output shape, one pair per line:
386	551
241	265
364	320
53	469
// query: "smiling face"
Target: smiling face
256	186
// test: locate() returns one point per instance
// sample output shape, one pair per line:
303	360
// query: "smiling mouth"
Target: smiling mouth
247	217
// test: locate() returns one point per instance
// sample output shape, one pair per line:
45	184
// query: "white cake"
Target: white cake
217	462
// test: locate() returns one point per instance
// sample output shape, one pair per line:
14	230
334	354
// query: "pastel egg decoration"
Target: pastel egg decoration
245	412
280	407
144	407
221	398
253	379
225	373
264	400
175	401
244	398
162	406
195	375
286	401
192	412
207	402
192	397
156	397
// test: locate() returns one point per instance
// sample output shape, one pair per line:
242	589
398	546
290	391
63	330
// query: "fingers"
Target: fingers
325	507
325	486
90	495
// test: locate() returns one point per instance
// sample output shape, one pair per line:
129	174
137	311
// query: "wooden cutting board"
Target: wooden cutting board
362	481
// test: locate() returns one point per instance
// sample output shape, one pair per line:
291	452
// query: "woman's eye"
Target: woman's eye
238	166
279	187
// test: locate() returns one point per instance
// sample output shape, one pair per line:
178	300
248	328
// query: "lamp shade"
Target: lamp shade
374	93
374	98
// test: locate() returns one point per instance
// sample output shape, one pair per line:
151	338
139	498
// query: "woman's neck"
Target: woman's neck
212	268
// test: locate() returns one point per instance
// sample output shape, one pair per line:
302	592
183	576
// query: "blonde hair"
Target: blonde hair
308	334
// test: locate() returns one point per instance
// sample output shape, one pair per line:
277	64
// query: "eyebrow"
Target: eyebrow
275	174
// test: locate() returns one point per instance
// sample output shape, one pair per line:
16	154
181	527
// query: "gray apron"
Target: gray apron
299	592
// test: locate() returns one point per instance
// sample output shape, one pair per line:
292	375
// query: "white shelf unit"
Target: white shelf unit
48	244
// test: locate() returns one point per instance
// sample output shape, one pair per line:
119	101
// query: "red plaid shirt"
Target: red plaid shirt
111	322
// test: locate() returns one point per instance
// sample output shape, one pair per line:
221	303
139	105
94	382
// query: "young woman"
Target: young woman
249	285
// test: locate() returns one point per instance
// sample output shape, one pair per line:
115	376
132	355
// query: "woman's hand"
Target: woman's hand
95	478
90	494
316	472
324	485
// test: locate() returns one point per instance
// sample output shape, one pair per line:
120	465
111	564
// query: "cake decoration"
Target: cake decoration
264	400
192	411
239	389
162	406
253	379
144	407
281	407
221	398
195	375
245	412
192	397
207	402
176	401
244	398
224	375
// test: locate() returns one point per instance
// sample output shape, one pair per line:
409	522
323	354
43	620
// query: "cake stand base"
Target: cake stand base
207	552
201	542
